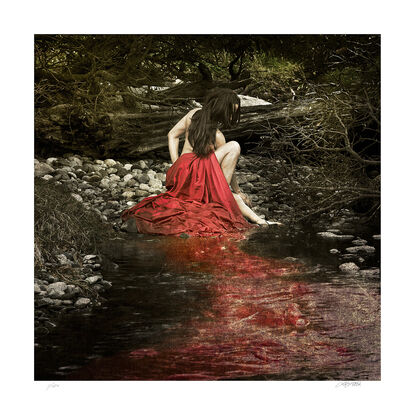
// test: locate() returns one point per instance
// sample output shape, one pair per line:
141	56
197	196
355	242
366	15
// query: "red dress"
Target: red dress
198	201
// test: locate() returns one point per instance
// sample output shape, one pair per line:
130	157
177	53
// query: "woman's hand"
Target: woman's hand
245	198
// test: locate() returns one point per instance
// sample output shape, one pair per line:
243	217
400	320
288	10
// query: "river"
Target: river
273	306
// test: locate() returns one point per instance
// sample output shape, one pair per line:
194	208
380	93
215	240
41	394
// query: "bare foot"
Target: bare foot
266	223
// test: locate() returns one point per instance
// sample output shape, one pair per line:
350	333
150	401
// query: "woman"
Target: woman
198	200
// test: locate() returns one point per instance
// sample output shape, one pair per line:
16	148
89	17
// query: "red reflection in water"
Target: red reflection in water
257	324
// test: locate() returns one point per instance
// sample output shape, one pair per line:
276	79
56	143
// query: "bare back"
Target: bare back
187	147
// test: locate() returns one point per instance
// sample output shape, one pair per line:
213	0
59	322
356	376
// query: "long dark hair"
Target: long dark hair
219	108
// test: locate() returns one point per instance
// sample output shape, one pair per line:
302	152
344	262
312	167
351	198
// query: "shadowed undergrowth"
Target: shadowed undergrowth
62	224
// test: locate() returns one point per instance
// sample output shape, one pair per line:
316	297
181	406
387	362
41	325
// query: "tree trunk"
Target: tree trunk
130	135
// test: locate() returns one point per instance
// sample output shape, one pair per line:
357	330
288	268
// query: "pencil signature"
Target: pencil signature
52	386
347	384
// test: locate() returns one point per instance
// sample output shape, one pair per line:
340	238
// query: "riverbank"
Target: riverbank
79	201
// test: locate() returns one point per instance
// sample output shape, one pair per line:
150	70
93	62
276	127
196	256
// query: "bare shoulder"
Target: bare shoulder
189	116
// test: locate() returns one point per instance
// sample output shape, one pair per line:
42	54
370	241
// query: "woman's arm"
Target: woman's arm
174	134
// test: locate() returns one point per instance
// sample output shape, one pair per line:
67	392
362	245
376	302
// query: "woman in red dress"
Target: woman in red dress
198	200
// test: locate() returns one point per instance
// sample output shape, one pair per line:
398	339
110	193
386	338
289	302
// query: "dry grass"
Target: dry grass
62	224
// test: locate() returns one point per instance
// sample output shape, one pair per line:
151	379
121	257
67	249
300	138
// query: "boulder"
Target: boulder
349	268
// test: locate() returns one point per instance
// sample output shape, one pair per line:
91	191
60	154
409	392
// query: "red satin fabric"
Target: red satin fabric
198	201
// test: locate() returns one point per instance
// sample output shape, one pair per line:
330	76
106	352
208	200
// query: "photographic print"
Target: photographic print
207	207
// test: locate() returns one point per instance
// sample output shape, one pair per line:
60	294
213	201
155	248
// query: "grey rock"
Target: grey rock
82	302
143	178
359	242
71	292
89	257
37	289
361	249
63	260
60	286
42	169
94	279
349	268
143	165
104	183
114	178
376	237
128	177
155	183
128	194
373	272
110	162
47	177
77	197
330	235
334	251
55	294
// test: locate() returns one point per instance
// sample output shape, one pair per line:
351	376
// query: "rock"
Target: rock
51	161
42	169
82	302
71	292
128	177
104	183
376	237
47	177
128	166
333	230
143	165
77	197
359	242
334	251
330	235
128	194
143	178
94	279
373	272
155	183
60	286
349	268
37	289
89	257
141	193
114	178
46	301
110	162
55	294
144	186
63	260
362	248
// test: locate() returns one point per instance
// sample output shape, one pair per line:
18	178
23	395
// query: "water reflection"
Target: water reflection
215	311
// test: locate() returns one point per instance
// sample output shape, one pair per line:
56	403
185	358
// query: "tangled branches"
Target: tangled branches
331	155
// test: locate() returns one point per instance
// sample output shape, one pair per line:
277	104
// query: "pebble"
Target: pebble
334	251
349	268
77	197
376	237
361	248
94	279
359	242
82	302
331	235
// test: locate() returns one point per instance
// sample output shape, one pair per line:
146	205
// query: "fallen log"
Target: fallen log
132	134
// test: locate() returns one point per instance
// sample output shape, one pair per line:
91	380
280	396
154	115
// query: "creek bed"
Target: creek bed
274	306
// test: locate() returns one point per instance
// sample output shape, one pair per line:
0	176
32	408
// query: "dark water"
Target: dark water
217	308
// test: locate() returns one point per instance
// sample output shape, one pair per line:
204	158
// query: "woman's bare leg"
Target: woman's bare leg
227	156
247	212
